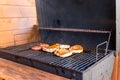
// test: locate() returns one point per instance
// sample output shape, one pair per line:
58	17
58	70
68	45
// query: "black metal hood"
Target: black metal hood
78	14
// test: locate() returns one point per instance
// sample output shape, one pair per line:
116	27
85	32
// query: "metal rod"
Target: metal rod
105	42
74	30
107	45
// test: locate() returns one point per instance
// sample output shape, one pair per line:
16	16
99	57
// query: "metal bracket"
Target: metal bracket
105	42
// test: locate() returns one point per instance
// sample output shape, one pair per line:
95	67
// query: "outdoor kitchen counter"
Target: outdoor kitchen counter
14	71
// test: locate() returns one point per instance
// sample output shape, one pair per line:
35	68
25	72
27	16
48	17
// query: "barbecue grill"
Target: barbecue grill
55	26
78	66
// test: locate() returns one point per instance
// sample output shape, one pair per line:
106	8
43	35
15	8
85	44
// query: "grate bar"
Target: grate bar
76	62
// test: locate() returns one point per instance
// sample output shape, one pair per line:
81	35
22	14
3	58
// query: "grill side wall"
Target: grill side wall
102	70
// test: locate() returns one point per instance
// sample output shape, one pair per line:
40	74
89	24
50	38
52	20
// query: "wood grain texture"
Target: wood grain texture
28	11
18	2
2	1
16	16
10	11
13	71
118	65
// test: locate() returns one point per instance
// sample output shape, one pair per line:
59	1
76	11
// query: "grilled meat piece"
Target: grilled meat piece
36	48
64	46
76	49
62	52
51	48
39	47
44	45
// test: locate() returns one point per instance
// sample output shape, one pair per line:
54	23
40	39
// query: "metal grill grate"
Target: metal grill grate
76	62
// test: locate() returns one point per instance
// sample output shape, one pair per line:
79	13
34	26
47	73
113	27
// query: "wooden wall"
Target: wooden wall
16	17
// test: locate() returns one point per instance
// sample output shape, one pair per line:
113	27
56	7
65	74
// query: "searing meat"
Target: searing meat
36	48
51	48
64	46
44	45
39	47
76	49
62	52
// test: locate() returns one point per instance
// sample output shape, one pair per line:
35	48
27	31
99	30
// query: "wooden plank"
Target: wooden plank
10	11
3	2
13	71
118	65
18	2
8	36
115	69
29	12
10	24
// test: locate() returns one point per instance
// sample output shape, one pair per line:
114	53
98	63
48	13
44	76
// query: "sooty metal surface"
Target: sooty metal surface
76	62
77	14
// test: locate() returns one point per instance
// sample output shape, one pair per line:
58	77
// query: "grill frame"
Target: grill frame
38	60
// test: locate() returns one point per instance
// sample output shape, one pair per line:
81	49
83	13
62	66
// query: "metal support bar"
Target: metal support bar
105	42
74	30
107	45
108	42
85	30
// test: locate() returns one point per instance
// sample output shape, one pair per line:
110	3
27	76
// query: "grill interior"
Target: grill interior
76	14
76	62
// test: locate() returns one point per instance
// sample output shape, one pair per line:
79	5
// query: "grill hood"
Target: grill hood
77	14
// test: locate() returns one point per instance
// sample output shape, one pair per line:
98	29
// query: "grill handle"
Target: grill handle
97	48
